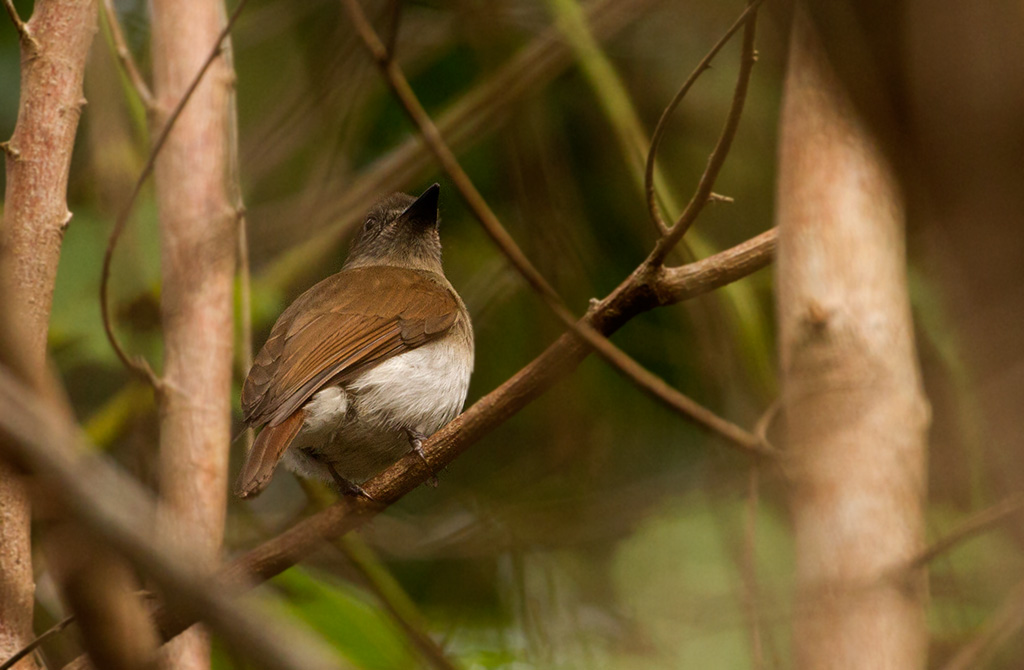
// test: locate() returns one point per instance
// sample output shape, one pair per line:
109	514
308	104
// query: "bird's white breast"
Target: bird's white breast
364	425
421	390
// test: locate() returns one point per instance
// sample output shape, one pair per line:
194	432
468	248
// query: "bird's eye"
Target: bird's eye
368	226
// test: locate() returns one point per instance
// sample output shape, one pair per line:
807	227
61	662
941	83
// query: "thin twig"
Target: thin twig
765	421
627	366
751	590
613	96
139	364
19	25
672	236
980	522
474	116
394	599
997	630
41	438
379	580
559	359
124	56
37	642
394	23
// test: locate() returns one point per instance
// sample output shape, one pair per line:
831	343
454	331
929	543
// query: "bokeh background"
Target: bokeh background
595	529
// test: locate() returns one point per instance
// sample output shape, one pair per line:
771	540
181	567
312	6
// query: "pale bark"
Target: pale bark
198	259
54	44
854	411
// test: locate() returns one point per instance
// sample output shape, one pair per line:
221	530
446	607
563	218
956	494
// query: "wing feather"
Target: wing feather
343	325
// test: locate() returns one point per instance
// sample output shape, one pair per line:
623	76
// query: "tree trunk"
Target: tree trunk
54	43
198	259
855	415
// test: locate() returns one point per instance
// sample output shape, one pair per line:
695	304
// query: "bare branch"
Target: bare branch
997	631
748	571
476	115
124	55
19	25
627	366
659	129
979	523
37	642
137	364
707	181
285	550
856	418
117	510
558	360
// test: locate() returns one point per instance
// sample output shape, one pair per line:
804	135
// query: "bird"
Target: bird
366	364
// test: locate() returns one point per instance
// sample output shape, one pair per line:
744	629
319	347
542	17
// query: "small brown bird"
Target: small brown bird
367	363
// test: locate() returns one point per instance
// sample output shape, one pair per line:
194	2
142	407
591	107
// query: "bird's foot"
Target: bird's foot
416	442
348	488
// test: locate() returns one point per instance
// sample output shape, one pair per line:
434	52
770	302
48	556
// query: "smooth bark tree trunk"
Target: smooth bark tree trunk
854	413
198	260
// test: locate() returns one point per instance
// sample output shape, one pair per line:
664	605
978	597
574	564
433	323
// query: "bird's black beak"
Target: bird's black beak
424	210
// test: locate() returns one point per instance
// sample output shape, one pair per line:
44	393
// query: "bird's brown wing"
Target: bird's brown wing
340	327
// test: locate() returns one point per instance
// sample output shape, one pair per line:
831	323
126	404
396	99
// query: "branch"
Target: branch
998	629
37	642
139	365
628	367
124	56
558	360
23	32
379	581
285	550
977	524
475	116
395	601
199	200
701	197
115	508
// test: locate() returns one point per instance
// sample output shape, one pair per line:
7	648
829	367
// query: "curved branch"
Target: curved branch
659	129
647	381
124	56
557	361
707	180
84	486
285	550
474	116
139	365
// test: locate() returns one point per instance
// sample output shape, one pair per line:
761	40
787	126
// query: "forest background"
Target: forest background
597	527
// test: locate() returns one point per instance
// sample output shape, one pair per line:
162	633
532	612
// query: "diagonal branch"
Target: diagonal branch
124	56
979	523
139	365
659	129
557	361
19	25
668	287
84	486
37	642
627	366
998	630
703	193
478	113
